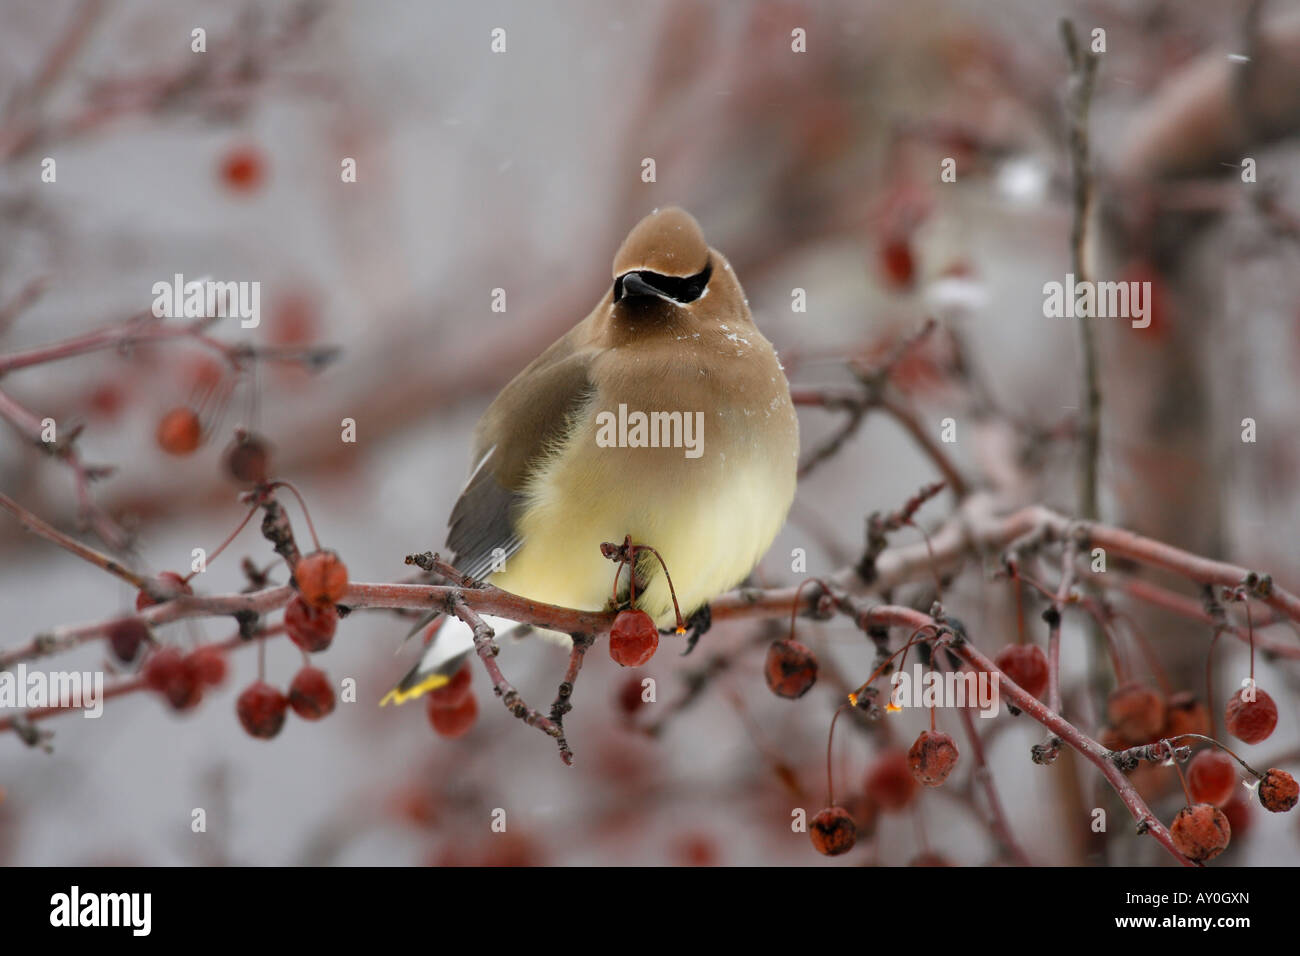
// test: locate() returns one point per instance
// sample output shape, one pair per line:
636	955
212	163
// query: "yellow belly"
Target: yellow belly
711	520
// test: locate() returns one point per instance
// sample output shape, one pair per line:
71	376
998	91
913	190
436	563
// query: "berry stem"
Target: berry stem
1210	740
281	483
830	737
222	547
681	625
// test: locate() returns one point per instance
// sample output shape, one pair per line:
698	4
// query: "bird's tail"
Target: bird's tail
448	645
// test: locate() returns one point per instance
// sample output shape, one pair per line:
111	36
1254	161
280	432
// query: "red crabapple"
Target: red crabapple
168	583
126	636
310	694
168	672
453	693
889	782
1026	664
1200	832
311	628
1212	777
453	721
833	831
1137	712
1278	791
1251	721
208	664
179	431
321	577
633	639
261	709
790	669
932	757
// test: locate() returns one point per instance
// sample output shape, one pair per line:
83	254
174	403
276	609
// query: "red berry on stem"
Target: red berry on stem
1200	832
889	782
1278	791
208	664
248	459
168	583
833	831
453	693
322	577
179	431
633	639
126	636
311	628
1026	664
1251	721
261	709
167	671
311	695
1137	712
453	721
932	757
790	669
1212	777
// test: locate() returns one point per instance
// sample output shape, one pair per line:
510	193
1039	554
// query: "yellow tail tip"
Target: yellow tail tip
400	695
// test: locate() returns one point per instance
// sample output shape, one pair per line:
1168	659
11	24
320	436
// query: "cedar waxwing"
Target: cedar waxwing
664	415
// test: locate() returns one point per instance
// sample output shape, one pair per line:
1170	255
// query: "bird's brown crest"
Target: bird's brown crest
668	242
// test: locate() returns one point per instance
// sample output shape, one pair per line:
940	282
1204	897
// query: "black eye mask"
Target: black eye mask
678	289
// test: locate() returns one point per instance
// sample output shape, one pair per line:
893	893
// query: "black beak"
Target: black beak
633	285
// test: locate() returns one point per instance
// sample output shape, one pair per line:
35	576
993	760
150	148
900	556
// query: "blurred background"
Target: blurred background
522	170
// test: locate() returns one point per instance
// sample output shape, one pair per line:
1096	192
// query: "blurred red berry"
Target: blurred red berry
261	709
1251	721
293	321
930	858
889	782
453	693
1238	811
311	628
208	664
1212	777
322	577
243	169
248	459
833	831
453	721
897	263
1200	832
633	639
168	672
696	849
790	669
1026	665
179	431
126	636
311	695
932	757
629	695
1186	715
1137	712
168	583
1278	791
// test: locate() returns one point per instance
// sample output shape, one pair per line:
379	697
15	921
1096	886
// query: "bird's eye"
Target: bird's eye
679	289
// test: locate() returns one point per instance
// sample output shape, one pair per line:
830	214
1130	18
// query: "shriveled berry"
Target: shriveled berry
167	671
1200	832
1212	777
790	669
1278	791
261	709
932	757
169	584
126	636
889	782
311	695
180	431
1026	664
1186	715
248	459
833	831
453	721
633	639
322	577
311	628
1137	712
1250	721
208	664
